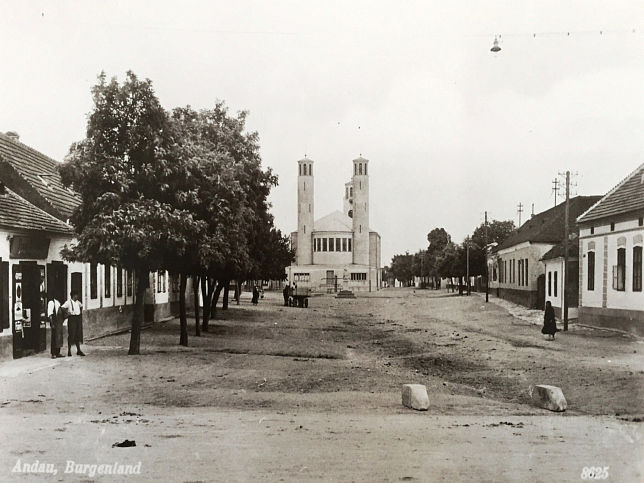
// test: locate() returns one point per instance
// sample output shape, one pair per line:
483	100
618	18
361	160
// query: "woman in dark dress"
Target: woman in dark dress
255	295
549	324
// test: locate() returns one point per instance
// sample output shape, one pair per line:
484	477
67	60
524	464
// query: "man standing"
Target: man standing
56	317
74	307
286	294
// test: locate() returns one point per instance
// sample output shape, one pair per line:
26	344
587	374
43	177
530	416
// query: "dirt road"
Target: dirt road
274	393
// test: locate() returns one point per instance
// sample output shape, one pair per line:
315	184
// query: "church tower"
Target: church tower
360	182
305	218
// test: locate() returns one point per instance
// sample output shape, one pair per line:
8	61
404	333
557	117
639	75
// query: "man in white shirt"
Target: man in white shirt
74	309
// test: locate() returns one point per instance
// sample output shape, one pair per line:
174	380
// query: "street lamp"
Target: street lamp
495	47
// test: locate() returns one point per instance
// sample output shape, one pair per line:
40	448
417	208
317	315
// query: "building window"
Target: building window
554	283
338	245
640	221
108	281
612	226
324	244
361	276
526	272
365	169
355	169
591	271
93	281
637	269
619	271
128	282
360	169
301	277
119	282
310	170
549	284
161	281
494	273
300	166
592	230
331	244
344	244
349	242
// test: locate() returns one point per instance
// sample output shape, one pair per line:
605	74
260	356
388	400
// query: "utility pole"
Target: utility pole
564	292
467	241
555	188
519	210
487	269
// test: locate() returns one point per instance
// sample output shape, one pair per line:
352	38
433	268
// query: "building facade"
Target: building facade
516	265
338	251
611	235
35	208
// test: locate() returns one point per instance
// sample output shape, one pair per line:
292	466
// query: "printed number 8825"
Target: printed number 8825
594	473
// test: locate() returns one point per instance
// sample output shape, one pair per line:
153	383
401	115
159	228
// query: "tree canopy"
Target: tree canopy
182	191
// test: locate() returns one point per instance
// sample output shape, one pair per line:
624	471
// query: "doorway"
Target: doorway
29	309
57	281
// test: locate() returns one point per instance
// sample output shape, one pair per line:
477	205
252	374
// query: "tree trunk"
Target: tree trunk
195	292
137	317
238	285
183	322
224	305
207	289
215	298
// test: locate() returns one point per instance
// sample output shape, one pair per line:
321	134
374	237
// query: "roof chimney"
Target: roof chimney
13	135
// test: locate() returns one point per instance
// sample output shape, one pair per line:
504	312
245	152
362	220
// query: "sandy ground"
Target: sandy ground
284	394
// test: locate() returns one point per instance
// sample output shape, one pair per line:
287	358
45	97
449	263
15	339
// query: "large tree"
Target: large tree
437	240
401	268
480	242
126	177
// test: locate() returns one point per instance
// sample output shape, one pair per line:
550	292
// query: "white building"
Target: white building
338	250
611	233
34	211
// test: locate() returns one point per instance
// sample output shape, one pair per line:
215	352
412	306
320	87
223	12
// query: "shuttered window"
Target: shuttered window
4	295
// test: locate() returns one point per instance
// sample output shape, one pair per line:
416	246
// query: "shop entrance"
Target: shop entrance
29	307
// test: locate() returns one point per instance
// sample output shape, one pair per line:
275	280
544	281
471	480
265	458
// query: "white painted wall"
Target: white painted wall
632	234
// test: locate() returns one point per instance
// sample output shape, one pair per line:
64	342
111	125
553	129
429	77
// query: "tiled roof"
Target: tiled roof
548	226
45	188
626	197
558	251
18	213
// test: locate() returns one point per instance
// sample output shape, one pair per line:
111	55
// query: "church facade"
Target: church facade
337	251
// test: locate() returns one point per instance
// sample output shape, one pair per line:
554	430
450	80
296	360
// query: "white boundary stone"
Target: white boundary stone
415	396
548	397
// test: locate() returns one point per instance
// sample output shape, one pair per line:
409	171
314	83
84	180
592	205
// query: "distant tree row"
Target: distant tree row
445	259
180	190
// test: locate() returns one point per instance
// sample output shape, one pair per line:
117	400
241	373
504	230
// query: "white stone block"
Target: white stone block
415	396
548	397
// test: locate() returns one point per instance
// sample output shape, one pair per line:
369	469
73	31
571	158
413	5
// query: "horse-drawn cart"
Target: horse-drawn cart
299	297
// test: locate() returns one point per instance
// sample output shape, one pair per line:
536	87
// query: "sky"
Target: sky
451	130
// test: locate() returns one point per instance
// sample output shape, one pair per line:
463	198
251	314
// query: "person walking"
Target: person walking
74	309
255	298
549	323
56	318
285	294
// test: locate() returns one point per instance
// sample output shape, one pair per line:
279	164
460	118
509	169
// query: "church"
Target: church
338	251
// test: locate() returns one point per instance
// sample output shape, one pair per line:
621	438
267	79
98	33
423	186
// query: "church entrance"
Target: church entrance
331	285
